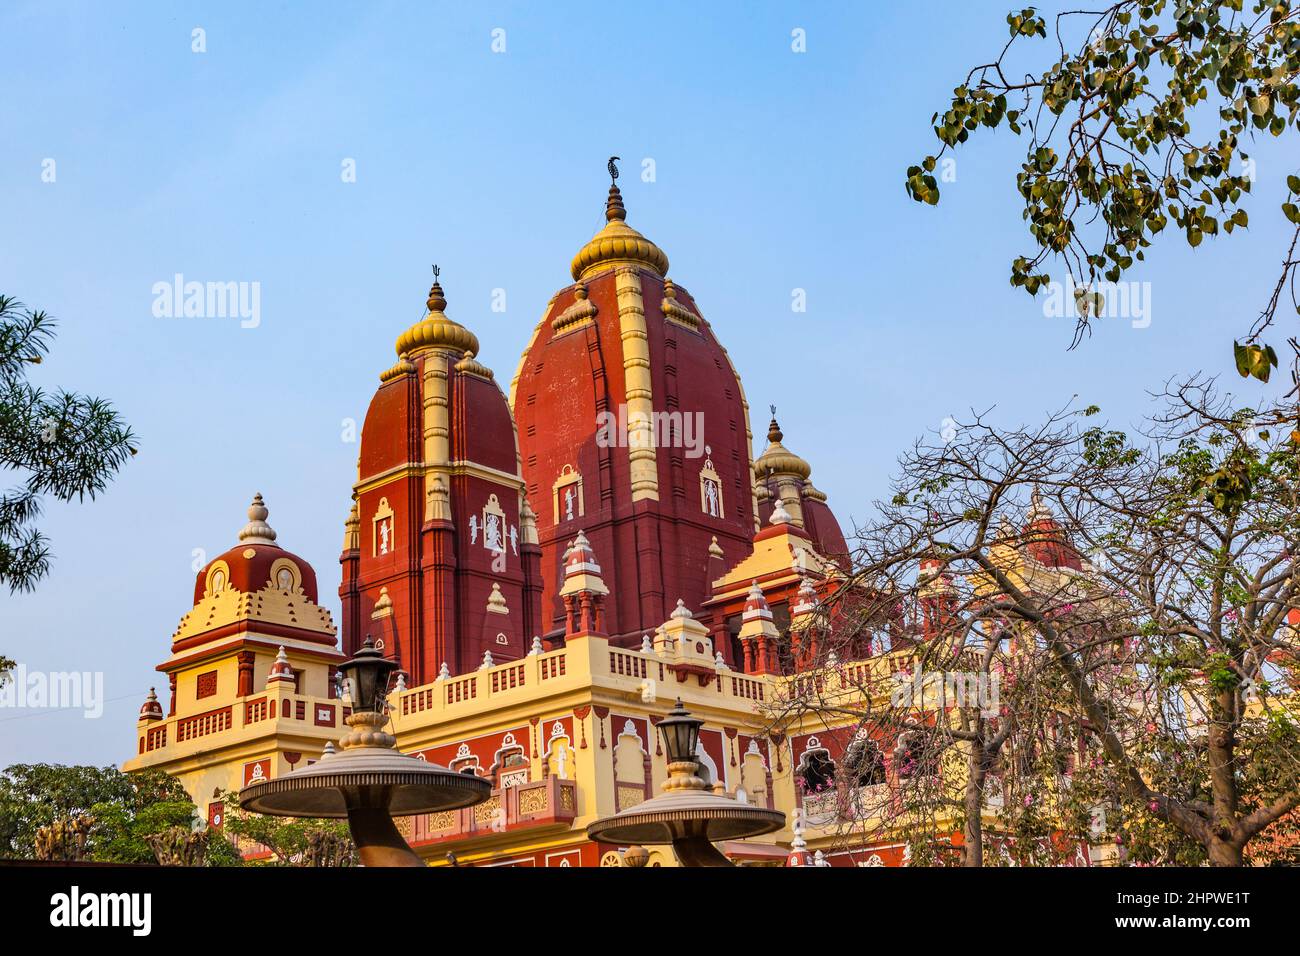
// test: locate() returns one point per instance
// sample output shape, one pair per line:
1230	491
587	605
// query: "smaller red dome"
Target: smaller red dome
151	710
256	562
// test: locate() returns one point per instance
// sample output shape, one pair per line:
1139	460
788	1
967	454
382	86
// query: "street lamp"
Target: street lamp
681	733
369	782
687	814
365	678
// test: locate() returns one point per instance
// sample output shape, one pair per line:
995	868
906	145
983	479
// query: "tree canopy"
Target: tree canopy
1136	116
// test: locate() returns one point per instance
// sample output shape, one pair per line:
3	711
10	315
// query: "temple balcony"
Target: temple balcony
267	714
548	803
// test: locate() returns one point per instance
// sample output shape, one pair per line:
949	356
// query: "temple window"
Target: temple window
566	495
383	541
913	756
865	762
816	770
711	489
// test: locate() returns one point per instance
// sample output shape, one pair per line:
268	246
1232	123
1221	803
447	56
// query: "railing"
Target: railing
462	688
746	687
507	678
156	738
200	725
835	805
547	802
626	665
551	667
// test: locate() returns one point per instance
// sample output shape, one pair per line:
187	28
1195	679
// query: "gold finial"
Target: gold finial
773	429
436	302
614	211
617	243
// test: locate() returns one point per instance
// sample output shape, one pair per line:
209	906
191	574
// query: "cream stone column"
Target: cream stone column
636	374
437	430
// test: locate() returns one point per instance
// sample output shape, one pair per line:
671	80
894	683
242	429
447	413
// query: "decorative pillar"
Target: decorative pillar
245	659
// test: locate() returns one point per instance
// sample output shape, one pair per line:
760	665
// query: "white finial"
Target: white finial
1038	511
329	750
257	531
798	843
682	611
779	514
537	647
647	645
819	859
487	661
400	686
715	549
719	662
443	673
832	659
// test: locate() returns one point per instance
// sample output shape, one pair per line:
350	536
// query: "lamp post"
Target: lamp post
687	814
369	782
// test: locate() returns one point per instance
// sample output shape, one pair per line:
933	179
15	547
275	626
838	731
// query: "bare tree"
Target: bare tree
1132	595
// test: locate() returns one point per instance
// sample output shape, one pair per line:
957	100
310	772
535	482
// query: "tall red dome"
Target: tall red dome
633	427
440	552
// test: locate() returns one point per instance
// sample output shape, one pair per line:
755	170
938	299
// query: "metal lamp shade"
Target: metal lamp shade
365	677
681	733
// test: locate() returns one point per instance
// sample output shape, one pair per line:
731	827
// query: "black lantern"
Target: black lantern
681	734
365	678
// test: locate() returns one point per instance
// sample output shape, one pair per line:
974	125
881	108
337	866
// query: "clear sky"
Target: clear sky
774	171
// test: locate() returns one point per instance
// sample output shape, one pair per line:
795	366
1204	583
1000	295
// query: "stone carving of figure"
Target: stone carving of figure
568	504
384	532
514	539
711	494
492	532
473	528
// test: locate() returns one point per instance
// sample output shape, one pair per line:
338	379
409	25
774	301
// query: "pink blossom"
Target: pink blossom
1028	800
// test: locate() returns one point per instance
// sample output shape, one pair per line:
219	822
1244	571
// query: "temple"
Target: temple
549	570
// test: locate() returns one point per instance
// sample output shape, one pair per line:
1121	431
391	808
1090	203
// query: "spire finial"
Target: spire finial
774	434
1038	511
614	210
257	531
436	302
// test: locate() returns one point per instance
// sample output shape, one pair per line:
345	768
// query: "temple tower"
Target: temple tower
440	556
633	427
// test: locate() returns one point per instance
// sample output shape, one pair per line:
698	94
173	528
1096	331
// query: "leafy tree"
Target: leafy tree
61	444
33	796
1137	116
292	841
161	832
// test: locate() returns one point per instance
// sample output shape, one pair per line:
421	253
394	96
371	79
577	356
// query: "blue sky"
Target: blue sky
774	171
